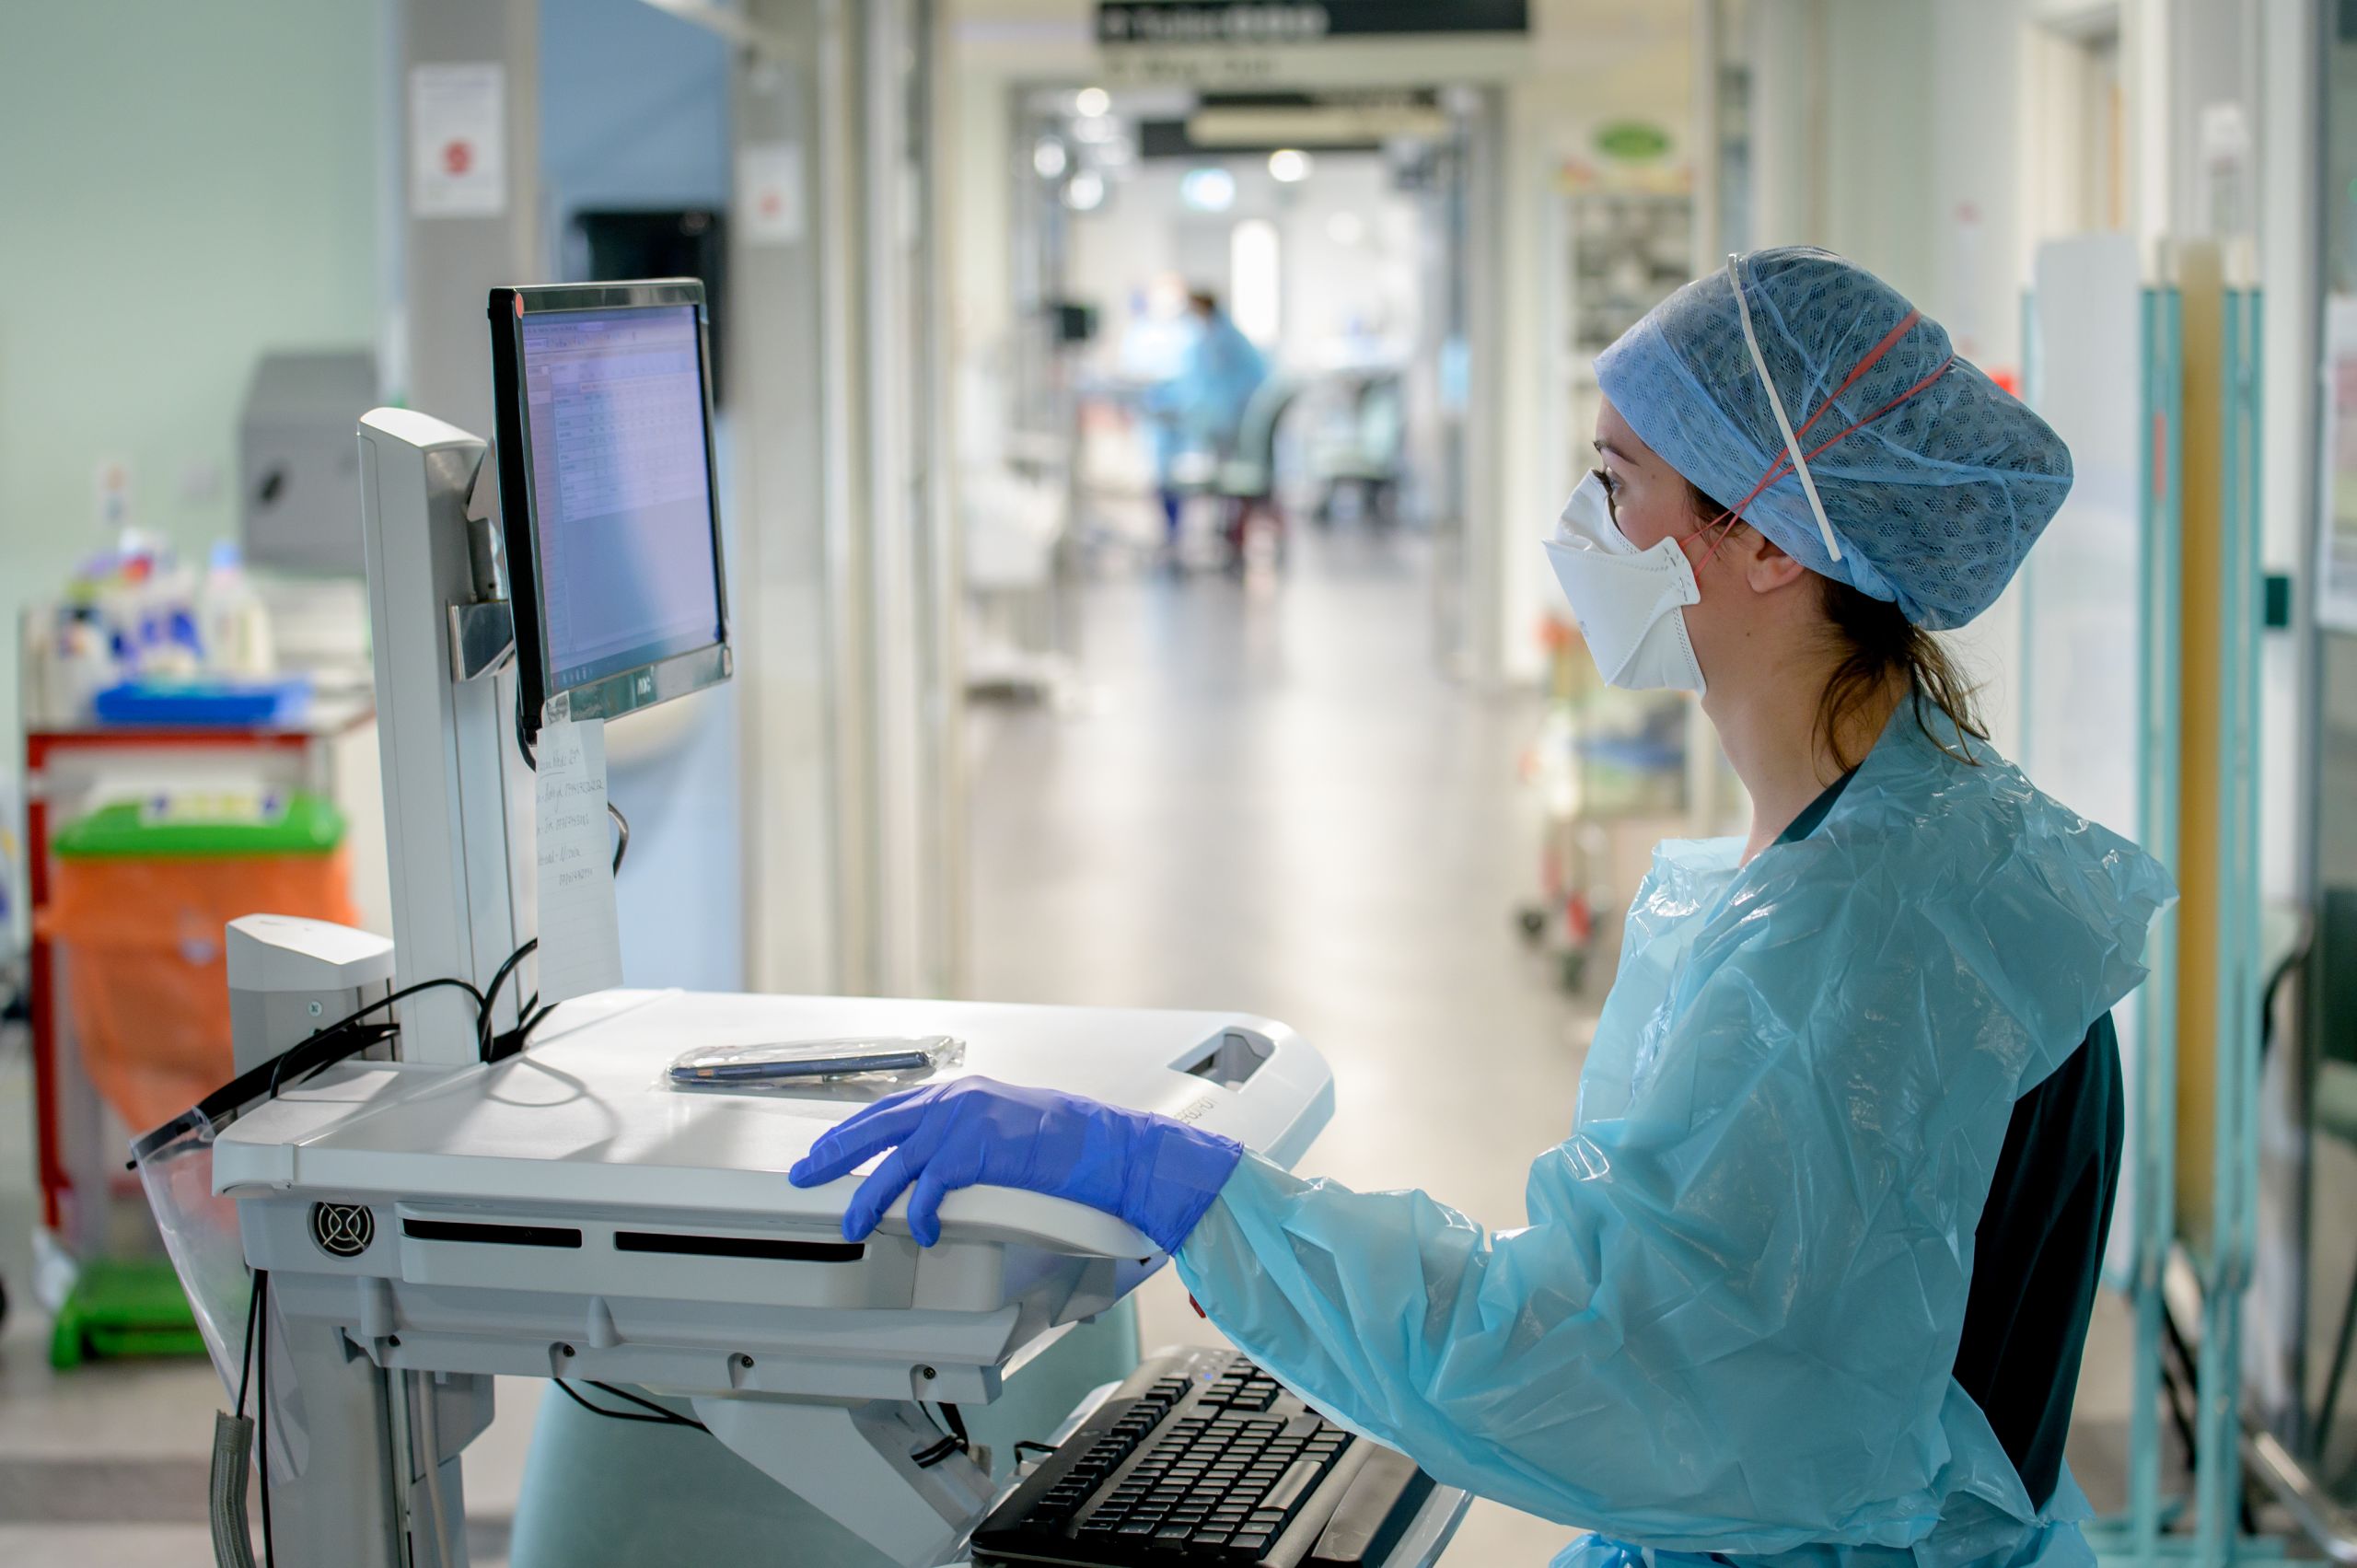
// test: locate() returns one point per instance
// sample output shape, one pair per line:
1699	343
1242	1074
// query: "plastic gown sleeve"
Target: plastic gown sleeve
1731	1323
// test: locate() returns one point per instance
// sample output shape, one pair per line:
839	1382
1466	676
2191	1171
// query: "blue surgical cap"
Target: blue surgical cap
1934	502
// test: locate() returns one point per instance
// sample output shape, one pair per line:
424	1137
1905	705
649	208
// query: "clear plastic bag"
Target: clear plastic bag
795	1066
200	1231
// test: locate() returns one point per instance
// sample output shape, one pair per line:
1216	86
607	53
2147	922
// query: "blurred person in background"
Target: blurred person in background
1198	409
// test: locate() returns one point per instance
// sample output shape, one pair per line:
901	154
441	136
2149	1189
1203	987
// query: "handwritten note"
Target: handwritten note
581	940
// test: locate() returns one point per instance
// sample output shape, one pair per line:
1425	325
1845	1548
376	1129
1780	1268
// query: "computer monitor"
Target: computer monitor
608	496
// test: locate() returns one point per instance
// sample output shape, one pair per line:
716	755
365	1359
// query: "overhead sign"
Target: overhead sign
1345	118
1217	23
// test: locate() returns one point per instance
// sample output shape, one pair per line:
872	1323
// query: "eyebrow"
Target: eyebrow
1609	450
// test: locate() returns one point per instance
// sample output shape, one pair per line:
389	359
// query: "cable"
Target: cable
506	1045
956	1426
1025	1445
262	1413
279	1062
523	736
660	1417
246	1363
308	1058
954	1440
574	1394
622	846
664	1411
491	997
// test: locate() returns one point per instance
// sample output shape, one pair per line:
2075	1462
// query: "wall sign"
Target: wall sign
2336	519
1217	23
768	192
1352	118
457	140
1632	141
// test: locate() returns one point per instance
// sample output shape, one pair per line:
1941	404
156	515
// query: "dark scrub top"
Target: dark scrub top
2039	1251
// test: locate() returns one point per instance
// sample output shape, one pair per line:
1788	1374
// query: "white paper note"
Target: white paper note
457	140
581	939
2336	519
768	192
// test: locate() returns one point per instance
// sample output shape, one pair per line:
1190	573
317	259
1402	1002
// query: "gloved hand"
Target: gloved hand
1157	1174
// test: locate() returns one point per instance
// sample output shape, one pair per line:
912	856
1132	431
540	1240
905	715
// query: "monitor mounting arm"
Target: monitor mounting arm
445	692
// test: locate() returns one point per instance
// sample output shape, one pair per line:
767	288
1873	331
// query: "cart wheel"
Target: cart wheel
1533	921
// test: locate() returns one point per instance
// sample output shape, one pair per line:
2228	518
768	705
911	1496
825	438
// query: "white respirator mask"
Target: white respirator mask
1629	602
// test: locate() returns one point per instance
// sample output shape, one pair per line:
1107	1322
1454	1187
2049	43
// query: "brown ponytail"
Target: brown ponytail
1880	642
1877	644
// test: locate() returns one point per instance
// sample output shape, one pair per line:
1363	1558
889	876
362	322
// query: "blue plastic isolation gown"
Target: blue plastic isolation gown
1217	376
1731	1323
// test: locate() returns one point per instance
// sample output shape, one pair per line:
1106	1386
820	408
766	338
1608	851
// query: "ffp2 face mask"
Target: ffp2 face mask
1629	603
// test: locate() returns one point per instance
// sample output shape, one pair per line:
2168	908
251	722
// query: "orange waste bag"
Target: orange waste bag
146	983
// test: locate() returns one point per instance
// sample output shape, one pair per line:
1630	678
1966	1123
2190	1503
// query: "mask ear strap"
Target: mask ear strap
1776	406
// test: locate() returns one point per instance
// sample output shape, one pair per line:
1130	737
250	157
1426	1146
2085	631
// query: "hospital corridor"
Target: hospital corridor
1152	784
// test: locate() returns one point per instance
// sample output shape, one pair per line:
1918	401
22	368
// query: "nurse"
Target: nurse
1809	1279
1204	403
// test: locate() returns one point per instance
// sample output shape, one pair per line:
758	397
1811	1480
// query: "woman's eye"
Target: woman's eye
1611	487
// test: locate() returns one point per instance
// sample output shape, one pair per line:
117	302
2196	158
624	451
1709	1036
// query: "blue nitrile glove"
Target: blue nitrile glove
1157	1174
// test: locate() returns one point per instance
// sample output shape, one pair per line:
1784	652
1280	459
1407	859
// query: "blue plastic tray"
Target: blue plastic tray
247	703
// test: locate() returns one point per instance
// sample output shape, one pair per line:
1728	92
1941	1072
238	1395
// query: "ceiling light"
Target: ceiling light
1289	165
1208	190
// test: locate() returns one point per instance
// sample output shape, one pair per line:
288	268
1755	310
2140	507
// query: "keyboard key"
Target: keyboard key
1295	1483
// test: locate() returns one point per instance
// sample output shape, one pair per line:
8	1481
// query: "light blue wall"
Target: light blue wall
634	114
181	188
634	109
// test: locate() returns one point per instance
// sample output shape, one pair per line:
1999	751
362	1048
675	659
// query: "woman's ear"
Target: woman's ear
1766	567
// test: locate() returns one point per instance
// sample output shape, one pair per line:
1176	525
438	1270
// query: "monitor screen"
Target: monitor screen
614	403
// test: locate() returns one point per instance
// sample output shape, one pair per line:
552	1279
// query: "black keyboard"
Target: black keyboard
1201	1456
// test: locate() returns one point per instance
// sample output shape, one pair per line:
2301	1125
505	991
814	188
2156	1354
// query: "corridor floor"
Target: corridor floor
1272	800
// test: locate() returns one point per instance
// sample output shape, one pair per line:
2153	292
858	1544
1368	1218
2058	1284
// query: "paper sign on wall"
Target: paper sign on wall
581	942
2337	521
768	192
457	140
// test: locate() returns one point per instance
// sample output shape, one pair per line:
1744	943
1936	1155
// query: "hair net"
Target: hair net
1934	500
1731	1322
